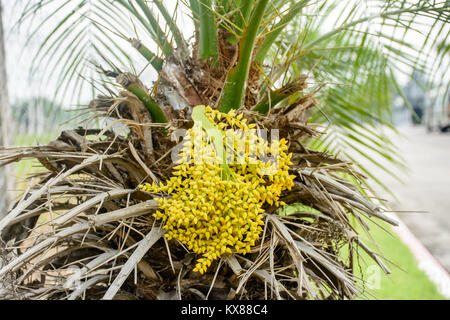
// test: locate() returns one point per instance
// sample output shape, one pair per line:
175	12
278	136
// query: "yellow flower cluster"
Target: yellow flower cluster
213	213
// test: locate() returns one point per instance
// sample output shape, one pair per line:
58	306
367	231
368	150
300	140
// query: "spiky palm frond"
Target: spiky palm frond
355	48
356	52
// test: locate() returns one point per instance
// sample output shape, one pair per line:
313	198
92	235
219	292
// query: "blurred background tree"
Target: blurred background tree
36	115
6	127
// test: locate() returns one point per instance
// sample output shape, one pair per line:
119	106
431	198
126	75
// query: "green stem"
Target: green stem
266	104
243	14
234	90
276	96
208	44
241	19
160	36
150	24
181	43
195	9
154	60
157	114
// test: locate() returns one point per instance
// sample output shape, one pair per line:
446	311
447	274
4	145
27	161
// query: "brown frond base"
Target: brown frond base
82	229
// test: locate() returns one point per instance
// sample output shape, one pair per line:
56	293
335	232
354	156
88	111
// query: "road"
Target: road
426	188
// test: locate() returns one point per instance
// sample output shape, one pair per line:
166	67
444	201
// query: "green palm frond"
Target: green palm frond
107	32
352	48
356	60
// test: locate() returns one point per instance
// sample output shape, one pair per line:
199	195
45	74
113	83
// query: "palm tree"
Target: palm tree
265	64
354	50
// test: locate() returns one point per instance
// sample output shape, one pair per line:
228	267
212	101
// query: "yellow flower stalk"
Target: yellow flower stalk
214	206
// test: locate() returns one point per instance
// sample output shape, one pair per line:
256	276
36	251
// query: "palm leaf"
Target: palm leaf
234	90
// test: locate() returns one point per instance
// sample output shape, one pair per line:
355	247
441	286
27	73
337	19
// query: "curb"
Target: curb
427	263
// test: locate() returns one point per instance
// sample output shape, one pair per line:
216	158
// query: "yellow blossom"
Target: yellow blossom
213	215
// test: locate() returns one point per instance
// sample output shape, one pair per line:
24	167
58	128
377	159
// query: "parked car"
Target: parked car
437	118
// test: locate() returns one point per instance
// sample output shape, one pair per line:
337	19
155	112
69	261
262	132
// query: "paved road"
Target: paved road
426	188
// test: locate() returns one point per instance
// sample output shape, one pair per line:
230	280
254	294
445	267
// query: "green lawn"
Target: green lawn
28	166
24	140
409	283
406	281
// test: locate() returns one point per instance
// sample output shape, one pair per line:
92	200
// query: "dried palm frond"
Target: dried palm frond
98	238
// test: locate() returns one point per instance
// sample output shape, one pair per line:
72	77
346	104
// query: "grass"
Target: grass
406	282
27	166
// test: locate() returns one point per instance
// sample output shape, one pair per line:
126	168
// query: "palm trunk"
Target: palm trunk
5	123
